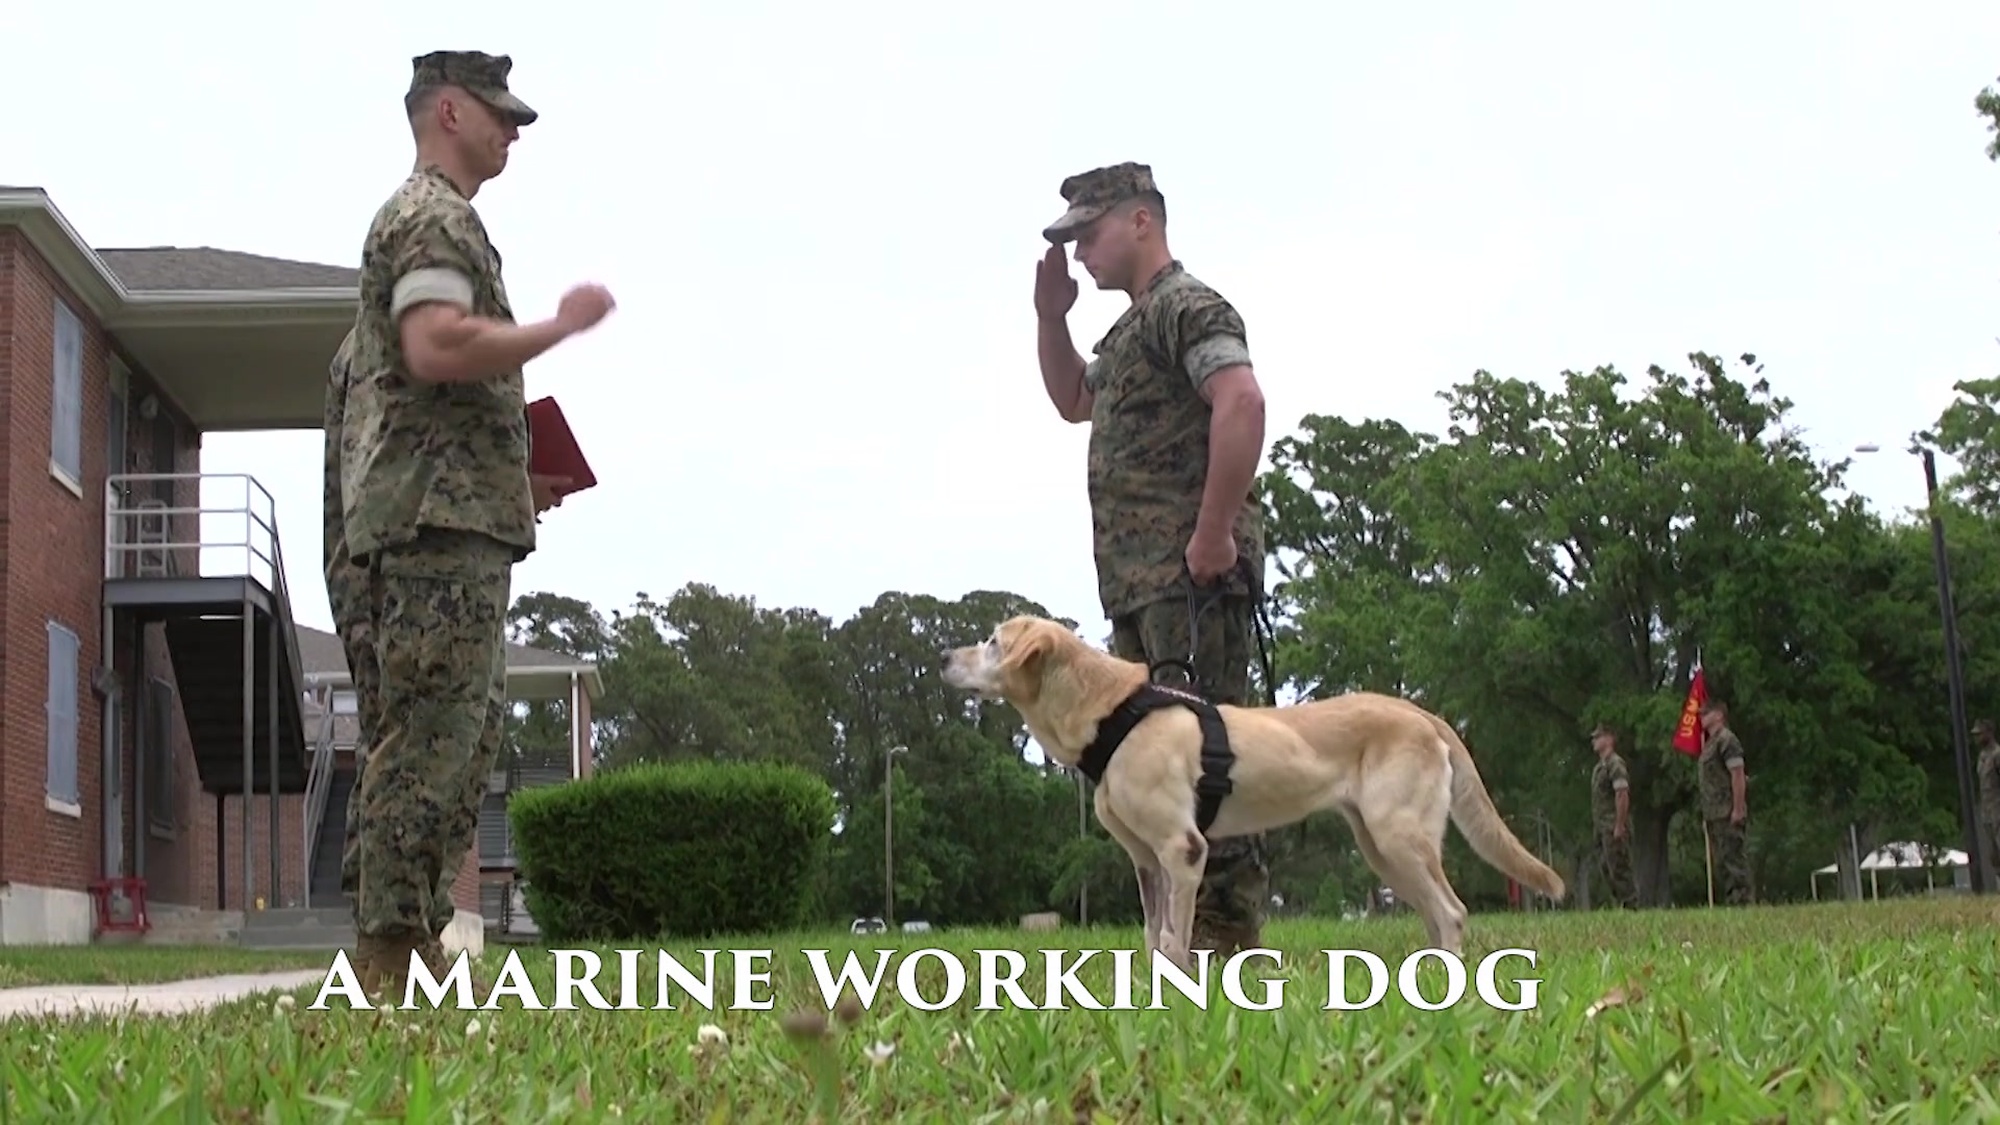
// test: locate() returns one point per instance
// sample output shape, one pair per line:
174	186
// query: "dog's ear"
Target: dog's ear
1026	655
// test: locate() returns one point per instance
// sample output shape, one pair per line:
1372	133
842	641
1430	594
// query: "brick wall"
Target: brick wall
60	576
54	563
7	253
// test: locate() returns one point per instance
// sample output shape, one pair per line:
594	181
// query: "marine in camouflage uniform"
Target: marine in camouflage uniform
1148	469
1988	771
437	507
1610	787
1721	759
348	598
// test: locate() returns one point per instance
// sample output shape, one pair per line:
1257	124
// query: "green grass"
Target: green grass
1875	1012
24	965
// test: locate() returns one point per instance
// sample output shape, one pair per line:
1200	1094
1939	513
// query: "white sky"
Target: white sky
821	226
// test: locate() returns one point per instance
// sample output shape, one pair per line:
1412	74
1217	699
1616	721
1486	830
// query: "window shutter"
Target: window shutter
66	438
62	705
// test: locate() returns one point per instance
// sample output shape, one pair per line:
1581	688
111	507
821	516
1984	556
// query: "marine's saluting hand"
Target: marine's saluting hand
1055	289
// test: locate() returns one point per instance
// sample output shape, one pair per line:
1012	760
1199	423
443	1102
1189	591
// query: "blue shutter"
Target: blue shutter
66	433
62	704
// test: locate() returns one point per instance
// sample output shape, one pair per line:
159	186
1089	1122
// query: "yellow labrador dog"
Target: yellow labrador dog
1393	770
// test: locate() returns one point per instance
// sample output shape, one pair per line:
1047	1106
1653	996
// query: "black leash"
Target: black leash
1199	603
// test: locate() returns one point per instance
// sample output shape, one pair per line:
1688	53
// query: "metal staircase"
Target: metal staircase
328	789
226	610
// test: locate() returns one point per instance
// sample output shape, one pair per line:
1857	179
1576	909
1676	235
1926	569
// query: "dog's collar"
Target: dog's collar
1216	756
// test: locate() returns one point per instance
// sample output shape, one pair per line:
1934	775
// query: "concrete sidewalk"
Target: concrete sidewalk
164	998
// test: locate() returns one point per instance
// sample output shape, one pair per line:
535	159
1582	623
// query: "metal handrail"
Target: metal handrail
319	783
122	503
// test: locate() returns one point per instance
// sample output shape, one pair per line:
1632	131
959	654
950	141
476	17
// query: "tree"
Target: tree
1560	557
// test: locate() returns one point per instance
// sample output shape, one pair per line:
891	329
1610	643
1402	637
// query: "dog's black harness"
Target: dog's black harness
1216	756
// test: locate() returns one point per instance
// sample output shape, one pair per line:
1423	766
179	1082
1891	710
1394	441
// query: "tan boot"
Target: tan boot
385	964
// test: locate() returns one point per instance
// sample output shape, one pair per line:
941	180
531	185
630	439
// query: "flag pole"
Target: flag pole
1708	861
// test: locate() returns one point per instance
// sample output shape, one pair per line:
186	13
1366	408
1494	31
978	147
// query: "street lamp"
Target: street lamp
1082	831
889	838
1954	673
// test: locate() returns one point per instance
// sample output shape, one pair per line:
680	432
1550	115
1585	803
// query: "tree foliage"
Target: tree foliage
1563	556
1563	553
1987	104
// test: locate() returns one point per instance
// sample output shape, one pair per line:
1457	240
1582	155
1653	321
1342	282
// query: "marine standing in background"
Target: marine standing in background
437	498
1988	773
1611	816
1724	811
1176	430
347	597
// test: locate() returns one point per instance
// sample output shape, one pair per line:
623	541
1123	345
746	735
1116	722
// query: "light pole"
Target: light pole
889	837
1954	672
1082	831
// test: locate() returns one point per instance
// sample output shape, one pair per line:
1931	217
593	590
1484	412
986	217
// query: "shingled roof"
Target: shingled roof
198	268
157	268
323	655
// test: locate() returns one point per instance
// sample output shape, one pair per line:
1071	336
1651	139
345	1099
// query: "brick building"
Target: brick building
150	667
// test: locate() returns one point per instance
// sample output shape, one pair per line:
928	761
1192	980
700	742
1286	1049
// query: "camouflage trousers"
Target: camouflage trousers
347	589
438	610
1730	844
1236	884
1614	862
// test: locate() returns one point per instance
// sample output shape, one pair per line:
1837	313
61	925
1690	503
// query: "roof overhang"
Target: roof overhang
231	359
532	683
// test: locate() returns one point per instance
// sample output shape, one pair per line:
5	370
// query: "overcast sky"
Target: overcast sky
821	224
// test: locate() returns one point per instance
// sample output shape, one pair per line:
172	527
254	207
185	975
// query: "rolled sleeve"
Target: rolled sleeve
1618	783
431	283
1199	332
438	253
1212	354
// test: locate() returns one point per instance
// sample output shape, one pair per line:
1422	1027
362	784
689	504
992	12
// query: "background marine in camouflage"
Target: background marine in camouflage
1724	812
1610	813
1988	773
1177	429
437	502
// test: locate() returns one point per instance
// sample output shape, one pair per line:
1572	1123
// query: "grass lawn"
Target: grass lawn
23	966
1877	1012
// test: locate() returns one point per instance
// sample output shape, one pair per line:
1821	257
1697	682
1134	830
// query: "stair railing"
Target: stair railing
319	782
149	530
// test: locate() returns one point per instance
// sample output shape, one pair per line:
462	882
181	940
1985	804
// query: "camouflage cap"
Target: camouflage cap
482	75
1603	728
1090	194
1983	726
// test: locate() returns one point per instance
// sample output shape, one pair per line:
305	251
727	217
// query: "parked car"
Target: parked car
868	926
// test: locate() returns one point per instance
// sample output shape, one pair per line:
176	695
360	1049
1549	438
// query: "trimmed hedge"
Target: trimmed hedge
683	850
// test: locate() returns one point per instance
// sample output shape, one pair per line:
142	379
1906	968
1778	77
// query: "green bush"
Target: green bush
684	850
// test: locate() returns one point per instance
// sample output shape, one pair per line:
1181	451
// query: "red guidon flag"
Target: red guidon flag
1687	737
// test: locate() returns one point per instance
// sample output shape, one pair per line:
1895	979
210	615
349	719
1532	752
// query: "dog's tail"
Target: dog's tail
1472	810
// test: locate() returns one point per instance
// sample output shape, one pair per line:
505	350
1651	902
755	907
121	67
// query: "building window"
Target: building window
345	703
159	751
66	416
63	712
